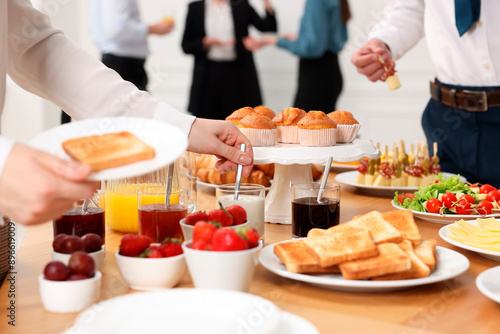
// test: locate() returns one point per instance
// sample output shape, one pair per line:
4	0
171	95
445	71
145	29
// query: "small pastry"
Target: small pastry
287	120
239	114
347	125
317	129
265	111
259	129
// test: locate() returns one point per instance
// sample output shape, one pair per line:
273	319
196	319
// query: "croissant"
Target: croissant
230	177
316	172
203	174
268	170
258	177
214	176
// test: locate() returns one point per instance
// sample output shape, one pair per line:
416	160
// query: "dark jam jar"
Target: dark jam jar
308	213
158	222
77	222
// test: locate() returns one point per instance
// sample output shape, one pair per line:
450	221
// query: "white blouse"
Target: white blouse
219	24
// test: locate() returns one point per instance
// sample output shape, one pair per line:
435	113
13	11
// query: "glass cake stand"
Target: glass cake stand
293	165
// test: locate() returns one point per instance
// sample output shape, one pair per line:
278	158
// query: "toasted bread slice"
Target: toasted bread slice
380	230
338	247
418	268
297	259
404	222
108	150
426	251
391	259
317	232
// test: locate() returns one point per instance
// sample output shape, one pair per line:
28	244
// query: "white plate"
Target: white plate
293	324
168	141
488	283
180	311
288	154
340	167
443	232
449	264
444	218
349	178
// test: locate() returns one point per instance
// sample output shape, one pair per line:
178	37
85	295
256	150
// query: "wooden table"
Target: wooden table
453	306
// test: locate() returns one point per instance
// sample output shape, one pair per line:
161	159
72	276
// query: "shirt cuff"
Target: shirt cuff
167	114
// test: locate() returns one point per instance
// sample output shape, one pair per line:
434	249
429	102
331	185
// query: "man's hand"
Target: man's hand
366	59
36	187
222	139
161	28
254	44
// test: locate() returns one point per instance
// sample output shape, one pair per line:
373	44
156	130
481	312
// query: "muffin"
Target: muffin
259	129
239	114
287	120
317	129
265	111
347	126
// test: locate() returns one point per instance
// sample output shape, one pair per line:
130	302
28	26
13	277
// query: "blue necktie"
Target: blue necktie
466	13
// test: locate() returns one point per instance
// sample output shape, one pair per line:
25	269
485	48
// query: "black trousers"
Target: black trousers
467	141
223	91
130	69
319	83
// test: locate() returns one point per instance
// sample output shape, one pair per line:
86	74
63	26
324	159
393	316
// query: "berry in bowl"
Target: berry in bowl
149	266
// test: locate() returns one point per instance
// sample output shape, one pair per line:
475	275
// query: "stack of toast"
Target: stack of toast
377	246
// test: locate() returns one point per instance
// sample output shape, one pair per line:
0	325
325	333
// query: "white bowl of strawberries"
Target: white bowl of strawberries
232	217
222	258
150	266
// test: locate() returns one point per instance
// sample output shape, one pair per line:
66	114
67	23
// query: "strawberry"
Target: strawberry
194	217
250	234
203	231
152	252
171	247
202	245
134	245
225	239
221	216
238	213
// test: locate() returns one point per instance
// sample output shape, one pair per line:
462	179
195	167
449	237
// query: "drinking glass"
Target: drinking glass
251	197
308	212
156	220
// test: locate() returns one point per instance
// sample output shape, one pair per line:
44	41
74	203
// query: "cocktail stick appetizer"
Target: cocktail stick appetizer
397	180
386	171
404	160
390	77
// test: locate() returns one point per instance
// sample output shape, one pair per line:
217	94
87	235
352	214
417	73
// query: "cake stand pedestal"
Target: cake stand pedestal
293	165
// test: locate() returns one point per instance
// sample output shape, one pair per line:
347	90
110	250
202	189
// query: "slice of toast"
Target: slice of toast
418	268
338	247
391	259
426	251
108	150
297	259
404	222
317	232
380	230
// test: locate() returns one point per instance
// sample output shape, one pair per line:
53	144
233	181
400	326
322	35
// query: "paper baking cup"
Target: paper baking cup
261	137
347	133
320	137
288	134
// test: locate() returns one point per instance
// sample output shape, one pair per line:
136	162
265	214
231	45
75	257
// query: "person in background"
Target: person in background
322	35
224	76
35	186
463	114
121	37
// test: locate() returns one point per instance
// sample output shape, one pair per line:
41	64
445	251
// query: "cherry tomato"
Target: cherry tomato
486	188
463	207
449	200
469	199
484	208
493	195
433	205
402	197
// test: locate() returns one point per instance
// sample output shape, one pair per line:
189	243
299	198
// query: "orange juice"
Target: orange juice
121	206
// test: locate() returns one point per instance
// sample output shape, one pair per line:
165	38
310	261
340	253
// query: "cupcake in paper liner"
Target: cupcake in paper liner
317	129
239	114
259	129
287	121
347	126
265	111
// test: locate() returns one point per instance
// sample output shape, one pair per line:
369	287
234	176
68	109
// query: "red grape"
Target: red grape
57	244
72	243
55	271
92	242
81	263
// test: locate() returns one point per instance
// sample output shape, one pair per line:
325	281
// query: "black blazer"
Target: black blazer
243	15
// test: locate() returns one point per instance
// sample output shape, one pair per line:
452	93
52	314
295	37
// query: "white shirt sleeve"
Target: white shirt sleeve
402	26
120	23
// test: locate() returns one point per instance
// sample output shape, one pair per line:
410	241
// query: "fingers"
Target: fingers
367	59
70	170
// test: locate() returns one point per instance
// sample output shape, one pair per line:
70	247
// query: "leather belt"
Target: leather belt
468	100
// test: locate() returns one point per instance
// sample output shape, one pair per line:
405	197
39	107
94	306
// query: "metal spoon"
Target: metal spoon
238	175
168	192
324	178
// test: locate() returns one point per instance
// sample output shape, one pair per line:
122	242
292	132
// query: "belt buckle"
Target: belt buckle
475	100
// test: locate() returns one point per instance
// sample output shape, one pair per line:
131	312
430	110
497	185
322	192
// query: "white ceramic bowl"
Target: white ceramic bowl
221	270
151	274
187	230
69	296
97	256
